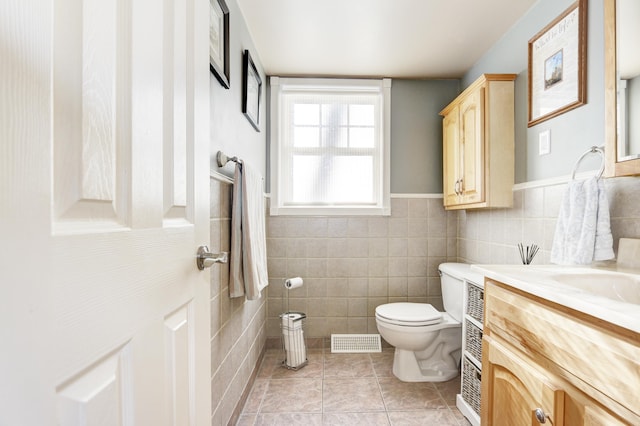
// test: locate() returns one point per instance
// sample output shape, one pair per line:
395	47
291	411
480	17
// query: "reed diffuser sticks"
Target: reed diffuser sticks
527	253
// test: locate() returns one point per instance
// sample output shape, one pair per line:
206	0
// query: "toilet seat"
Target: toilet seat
409	314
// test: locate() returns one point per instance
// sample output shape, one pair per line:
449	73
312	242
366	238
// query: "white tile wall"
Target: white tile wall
491	236
350	265
238	332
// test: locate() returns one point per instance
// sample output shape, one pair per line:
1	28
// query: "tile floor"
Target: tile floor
346	389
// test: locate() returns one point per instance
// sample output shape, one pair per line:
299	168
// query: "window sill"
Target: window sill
330	211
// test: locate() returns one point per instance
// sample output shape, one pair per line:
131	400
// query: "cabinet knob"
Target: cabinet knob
541	416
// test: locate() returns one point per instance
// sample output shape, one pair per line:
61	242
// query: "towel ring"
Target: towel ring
592	150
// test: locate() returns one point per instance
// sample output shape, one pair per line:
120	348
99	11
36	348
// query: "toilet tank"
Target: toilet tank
451	283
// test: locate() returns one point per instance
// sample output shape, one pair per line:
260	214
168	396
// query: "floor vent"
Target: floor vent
355	343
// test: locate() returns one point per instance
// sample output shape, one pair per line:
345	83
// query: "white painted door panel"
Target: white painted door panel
103	203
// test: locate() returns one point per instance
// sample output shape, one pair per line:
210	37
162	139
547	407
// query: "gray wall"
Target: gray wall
238	326
231	132
572	132
416	134
416	127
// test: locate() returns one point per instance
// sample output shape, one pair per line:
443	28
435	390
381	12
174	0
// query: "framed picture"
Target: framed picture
251	89
219	40
558	65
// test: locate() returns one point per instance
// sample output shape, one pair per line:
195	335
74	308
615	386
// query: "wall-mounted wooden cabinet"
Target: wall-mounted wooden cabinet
478	145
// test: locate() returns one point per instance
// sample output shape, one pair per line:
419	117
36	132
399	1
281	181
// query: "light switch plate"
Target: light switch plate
544	142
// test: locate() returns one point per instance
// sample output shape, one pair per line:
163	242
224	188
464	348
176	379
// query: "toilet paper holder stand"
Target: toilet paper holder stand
293	341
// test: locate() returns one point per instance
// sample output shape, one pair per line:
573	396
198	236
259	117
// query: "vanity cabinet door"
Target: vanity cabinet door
581	410
514	392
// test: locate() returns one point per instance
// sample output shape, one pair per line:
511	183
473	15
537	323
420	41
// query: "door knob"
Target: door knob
205	259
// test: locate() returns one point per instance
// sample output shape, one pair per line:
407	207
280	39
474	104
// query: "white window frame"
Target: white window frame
277	86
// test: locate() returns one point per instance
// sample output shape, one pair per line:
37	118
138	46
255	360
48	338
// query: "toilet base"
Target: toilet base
408	368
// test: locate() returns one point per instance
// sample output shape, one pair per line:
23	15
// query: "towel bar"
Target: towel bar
593	150
223	159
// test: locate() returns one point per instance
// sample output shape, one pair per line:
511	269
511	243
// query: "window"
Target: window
329	146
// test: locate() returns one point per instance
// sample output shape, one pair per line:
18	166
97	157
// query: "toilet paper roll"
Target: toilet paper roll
292	283
291	321
295	348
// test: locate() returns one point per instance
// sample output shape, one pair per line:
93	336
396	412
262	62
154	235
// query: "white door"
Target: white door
103	203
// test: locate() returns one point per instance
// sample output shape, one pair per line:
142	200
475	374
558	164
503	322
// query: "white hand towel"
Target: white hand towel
603	249
583	230
248	263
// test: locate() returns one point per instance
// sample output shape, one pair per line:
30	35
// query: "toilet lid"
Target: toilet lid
407	313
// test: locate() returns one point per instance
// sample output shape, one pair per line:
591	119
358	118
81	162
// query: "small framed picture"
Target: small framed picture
219	41
251	90
558	65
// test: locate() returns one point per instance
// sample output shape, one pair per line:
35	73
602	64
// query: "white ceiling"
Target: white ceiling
377	38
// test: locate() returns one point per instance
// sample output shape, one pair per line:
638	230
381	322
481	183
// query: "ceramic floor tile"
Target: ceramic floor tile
383	363
348	365
269	364
289	419
349	395
423	418
258	390
346	390
247	420
409	396
449	390
313	369
355	419
462	420
293	395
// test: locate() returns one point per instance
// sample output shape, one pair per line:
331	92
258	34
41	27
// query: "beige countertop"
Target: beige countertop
609	294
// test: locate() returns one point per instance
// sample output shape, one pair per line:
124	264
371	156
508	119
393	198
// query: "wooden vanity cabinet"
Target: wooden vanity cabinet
544	363
478	145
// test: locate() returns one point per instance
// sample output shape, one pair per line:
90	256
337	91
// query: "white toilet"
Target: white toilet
428	342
